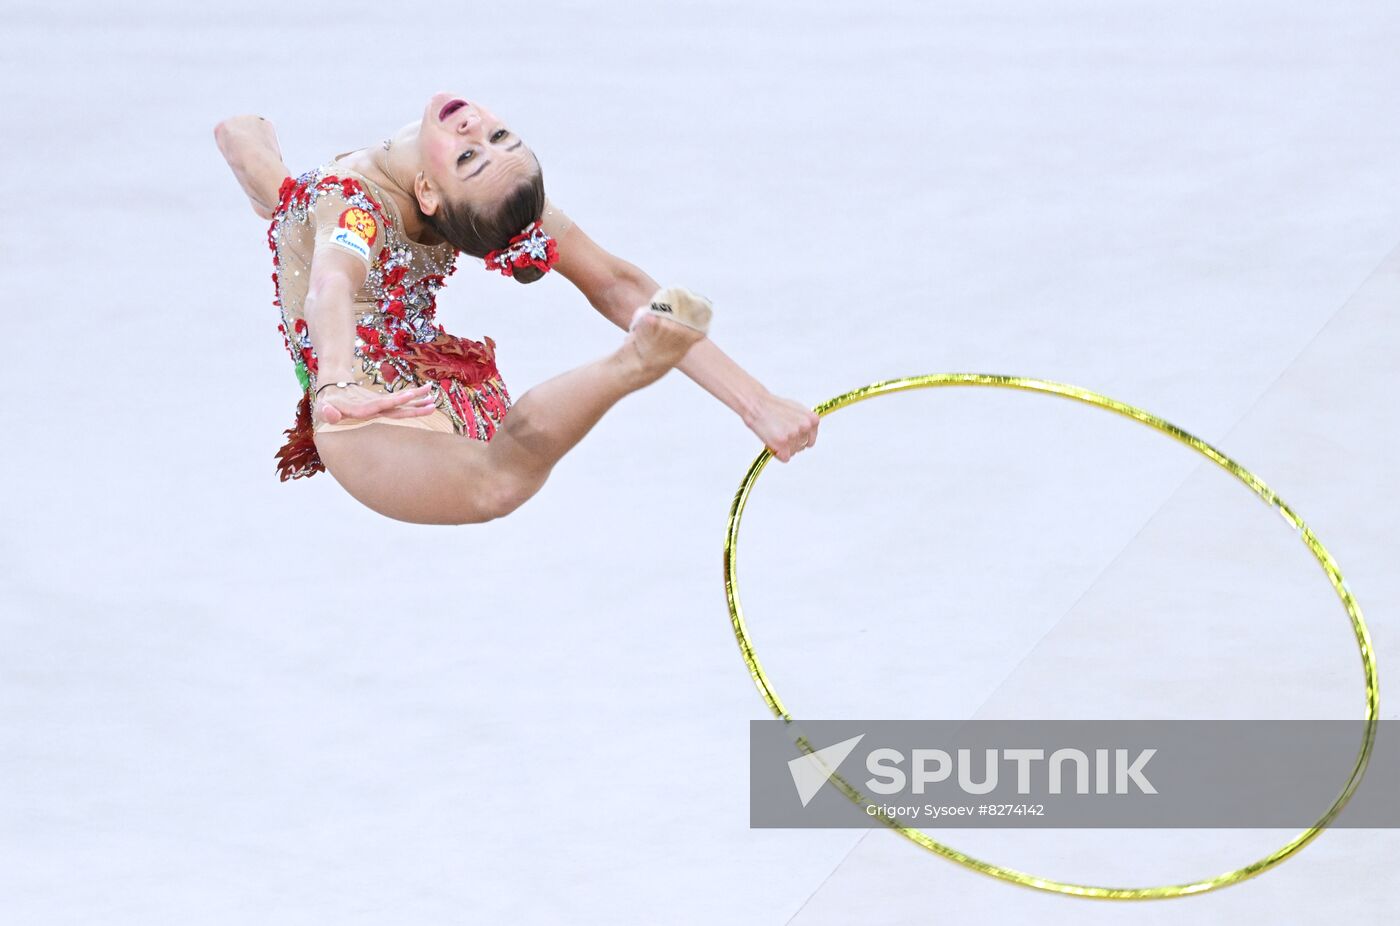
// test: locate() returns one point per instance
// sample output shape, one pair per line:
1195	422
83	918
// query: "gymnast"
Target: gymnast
416	423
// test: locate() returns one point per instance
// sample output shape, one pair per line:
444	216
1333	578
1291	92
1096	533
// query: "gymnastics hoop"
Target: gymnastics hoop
918	837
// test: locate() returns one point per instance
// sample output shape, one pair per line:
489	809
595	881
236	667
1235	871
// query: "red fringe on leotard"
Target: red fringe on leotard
447	357
463	369
298	457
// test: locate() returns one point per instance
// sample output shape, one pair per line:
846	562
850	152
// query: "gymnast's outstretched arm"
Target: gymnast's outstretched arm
249	145
616	287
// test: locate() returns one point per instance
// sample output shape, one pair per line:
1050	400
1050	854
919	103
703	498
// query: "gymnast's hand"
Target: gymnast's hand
786	427
336	404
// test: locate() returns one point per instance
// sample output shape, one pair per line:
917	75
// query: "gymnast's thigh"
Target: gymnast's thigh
412	474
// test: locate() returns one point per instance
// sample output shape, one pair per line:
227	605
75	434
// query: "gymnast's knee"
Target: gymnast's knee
501	496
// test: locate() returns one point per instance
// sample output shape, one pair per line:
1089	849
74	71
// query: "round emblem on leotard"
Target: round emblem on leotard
361	223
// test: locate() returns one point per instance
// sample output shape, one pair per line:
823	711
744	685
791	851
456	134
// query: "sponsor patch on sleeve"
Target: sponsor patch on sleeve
356	232
361	223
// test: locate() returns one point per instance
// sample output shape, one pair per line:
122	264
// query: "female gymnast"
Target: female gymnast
416	423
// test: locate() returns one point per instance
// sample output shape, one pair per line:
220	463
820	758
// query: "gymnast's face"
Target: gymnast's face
469	155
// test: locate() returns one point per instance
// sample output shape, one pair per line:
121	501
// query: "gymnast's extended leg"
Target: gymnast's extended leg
431	478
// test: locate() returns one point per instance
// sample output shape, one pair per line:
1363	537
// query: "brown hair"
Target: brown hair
479	231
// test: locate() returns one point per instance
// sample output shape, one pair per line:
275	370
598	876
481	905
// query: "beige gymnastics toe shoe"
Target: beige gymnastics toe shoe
679	305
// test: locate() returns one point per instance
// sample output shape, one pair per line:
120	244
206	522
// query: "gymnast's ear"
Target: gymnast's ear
426	193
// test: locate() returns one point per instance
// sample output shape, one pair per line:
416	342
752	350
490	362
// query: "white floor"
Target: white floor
226	700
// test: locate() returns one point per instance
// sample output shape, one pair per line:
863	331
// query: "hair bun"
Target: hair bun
527	274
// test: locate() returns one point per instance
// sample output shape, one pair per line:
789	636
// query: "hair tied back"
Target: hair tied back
528	256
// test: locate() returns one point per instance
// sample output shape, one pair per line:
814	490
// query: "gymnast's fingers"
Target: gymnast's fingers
806	436
420	397
404	398
410	411
414	396
329	413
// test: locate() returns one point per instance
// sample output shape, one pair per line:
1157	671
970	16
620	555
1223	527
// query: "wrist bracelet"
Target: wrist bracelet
342	384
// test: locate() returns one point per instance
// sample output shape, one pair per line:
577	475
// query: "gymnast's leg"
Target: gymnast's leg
427	477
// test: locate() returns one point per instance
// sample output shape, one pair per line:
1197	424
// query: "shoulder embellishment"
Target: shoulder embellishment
362	224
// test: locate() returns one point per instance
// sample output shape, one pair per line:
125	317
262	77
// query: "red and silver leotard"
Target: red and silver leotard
398	342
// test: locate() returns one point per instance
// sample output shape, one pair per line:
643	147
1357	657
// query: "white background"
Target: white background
224	699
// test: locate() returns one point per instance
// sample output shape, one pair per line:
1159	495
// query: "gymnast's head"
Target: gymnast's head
479	184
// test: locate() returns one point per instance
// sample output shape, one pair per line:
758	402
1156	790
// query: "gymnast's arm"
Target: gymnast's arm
329	308
249	145
330	312
616	288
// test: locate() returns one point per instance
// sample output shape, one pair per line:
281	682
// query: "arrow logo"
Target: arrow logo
813	770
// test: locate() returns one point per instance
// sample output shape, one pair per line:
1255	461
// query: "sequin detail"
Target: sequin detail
399	343
533	247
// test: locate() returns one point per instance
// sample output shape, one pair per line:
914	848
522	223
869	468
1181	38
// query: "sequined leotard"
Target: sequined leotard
398	342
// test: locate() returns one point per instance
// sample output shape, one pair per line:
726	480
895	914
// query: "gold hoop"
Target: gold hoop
1329	566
